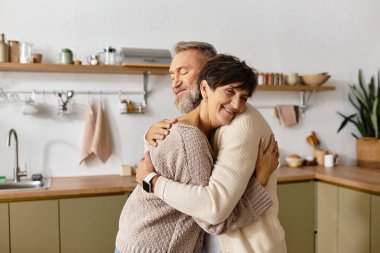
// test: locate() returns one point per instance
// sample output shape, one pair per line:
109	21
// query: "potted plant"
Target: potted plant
366	100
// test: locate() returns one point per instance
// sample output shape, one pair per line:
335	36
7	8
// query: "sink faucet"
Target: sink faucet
17	173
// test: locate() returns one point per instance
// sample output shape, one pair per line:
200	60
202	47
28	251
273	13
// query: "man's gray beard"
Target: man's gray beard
188	102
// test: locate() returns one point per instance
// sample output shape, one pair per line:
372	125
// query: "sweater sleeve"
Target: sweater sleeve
234	166
244	212
146	143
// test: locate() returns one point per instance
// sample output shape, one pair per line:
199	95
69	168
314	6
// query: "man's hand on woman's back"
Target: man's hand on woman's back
267	160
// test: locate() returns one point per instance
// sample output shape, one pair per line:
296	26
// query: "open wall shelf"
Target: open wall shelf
156	69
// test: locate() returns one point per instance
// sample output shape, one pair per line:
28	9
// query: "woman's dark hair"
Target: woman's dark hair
225	69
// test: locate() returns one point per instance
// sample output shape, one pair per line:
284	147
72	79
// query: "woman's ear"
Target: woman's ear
204	86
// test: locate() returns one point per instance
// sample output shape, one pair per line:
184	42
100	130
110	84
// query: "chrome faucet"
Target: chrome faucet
17	173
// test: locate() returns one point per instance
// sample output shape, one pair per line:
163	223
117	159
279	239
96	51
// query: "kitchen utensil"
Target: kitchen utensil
3	97
63	100
313	140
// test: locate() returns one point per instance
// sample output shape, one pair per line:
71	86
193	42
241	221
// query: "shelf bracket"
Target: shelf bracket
305	100
146	81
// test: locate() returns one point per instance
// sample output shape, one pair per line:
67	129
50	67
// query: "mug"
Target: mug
329	160
292	78
29	108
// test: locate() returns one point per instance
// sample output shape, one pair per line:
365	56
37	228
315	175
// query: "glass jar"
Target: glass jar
26	52
109	56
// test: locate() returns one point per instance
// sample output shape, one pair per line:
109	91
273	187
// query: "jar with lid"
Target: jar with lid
109	56
4	49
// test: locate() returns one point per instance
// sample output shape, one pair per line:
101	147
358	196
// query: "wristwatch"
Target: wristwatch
147	185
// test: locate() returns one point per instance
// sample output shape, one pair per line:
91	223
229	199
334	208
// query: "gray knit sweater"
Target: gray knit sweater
147	224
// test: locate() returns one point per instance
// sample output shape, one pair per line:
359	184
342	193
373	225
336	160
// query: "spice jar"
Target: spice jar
4	49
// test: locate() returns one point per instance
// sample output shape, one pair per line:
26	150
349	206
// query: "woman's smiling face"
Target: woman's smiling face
225	102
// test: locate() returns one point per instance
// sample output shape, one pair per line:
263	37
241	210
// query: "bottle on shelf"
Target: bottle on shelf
4	49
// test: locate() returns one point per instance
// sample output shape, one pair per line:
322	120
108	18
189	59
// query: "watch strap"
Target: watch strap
150	176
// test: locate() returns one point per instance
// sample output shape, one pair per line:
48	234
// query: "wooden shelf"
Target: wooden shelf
294	88
157	69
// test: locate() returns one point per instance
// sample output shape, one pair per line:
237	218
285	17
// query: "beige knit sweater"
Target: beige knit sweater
147	224
235	148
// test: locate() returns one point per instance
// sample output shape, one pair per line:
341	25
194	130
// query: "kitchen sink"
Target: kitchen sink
25	185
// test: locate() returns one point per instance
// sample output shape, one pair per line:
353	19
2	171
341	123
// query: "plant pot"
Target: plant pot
368	153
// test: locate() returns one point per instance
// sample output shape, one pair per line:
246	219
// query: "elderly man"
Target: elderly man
237	147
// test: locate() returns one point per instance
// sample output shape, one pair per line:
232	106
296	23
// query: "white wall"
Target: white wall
285	36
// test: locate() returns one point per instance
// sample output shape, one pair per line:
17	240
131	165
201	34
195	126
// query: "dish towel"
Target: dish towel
88	134
102	140
96	136
287	114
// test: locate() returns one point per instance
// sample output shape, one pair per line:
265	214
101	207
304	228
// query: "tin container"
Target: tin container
14	51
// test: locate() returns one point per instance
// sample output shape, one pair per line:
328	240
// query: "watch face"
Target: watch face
146	186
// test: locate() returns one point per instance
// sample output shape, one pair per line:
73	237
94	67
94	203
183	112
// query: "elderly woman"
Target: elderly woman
148	224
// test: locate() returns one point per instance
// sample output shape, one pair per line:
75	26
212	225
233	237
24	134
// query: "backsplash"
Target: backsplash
293	37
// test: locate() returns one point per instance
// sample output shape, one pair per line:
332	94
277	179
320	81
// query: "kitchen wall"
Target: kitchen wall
278	36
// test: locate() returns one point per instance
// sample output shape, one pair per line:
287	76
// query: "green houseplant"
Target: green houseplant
366	100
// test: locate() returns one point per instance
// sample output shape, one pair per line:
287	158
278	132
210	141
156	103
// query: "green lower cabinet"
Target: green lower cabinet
4	228
90	224
343	220
34	226
354	218
375	224
327	218
296	213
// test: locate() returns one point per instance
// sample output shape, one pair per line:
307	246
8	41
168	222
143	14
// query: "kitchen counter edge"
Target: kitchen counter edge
362	179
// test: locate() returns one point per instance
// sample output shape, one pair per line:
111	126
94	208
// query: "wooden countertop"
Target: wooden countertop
70	187
361	179
358	178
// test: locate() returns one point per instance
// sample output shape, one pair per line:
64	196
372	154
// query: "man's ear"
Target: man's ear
203	87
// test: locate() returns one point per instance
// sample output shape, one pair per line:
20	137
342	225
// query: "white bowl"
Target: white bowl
294	162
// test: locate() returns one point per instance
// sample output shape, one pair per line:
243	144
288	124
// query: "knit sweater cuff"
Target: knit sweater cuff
159	188
259	200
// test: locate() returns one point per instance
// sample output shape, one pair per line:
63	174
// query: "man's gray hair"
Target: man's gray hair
204	48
